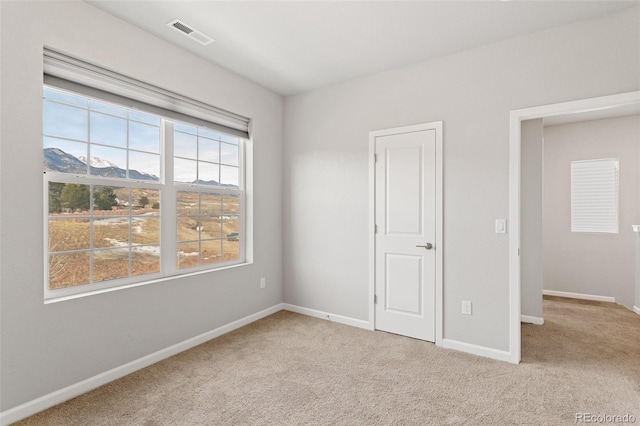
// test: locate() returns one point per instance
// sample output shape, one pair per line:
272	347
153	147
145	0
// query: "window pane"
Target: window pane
123	201
184	170
55	203
229	176
68	234
64	121
108	130
188	228
210	204
231	205
229	154
231	227
110	264
211	227
145	230
209	150
143	117
144	137
64	97
66	270
229	139
188	254
64	156
211	252
107	161
185	145
105	200
208	173
187	203
209	134
230	249
145	199
111	231
145	260
144	166
75	198
185	128
108	109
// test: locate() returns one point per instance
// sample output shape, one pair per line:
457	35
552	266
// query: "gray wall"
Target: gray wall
596	264
47	347
531	218
326	162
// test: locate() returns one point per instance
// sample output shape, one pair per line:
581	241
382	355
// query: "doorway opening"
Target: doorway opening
595	107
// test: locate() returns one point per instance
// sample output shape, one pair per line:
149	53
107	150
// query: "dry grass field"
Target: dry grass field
92	246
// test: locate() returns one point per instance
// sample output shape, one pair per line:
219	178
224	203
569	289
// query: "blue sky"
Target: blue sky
89	128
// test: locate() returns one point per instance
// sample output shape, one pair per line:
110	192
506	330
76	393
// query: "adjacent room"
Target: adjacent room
292	212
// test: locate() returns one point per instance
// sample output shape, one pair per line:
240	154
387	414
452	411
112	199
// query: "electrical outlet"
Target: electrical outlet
263	282
466	307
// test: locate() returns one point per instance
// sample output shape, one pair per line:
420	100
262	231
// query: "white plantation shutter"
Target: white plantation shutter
594	196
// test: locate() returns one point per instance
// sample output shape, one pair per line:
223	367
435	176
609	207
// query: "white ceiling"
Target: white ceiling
295	46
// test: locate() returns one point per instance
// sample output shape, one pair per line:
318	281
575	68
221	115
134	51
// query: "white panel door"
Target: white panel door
405	217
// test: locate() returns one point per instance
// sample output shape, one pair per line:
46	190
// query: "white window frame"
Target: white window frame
226	123
595	196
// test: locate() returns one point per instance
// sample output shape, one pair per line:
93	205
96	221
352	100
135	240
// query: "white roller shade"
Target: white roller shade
594	196
66	72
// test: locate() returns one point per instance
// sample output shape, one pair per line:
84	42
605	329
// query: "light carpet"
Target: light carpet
290	369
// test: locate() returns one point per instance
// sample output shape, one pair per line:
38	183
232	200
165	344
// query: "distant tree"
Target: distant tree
55	203
104	198
155	205
75	197
143	201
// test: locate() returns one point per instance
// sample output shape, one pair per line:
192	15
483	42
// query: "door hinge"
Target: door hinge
375	299
375	229
375	158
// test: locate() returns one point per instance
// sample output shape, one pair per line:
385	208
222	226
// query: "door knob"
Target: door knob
428	246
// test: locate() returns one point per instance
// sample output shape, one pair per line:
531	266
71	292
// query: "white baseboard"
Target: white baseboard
532	320
328	316
579	296
636	310
32	407
479	350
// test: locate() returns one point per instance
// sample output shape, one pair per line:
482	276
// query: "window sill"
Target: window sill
51	300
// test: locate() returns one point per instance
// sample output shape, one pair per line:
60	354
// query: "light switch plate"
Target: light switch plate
501	226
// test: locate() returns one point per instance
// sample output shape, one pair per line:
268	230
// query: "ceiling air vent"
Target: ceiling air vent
191	32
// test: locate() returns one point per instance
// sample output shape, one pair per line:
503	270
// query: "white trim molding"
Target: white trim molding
531	320
582	296
328	316
477	350
636	310
47	401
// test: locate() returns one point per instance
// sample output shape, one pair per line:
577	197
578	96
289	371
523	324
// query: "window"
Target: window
135	192
209	217
594	196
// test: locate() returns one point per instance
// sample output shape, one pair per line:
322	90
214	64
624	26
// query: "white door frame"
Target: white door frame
438	243
515	119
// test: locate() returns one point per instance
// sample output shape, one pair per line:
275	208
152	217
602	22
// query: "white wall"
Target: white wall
326	162
47	347
595	264
531	264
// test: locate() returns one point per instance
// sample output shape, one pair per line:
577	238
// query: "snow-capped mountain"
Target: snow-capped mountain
57	160
98	163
